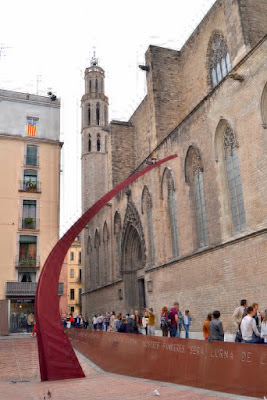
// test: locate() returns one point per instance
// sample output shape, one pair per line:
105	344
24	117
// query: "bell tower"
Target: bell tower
94	106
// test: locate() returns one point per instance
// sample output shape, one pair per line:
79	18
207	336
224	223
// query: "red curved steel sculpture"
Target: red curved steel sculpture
56	356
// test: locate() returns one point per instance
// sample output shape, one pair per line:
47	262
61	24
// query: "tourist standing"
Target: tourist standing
94	321
164	321
216	327
145	321
187	323
173	313
151	322
248	327
205	328
264	327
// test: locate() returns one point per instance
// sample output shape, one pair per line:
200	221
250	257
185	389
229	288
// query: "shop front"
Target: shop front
21	315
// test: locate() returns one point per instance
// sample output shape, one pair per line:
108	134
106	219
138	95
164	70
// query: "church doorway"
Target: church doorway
132	261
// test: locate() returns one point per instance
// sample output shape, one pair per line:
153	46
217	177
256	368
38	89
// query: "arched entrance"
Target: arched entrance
133	259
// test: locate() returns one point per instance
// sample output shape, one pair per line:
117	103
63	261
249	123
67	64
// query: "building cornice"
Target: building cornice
6	136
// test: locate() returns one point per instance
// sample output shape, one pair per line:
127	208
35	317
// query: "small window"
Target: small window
78	238
89	115
89	144
28	250
71	256
31	155
29	214
72	309
72	294
80	257
97	114
30	181
80	275
96	85
72	273
98	143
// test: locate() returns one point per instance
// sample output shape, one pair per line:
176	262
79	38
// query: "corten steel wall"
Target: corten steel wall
226	367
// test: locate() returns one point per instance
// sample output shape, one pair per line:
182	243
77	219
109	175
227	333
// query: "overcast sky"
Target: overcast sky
52	42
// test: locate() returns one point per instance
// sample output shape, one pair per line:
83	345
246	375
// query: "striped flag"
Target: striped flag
31	128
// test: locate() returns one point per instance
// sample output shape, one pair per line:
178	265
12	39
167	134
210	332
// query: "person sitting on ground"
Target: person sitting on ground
248	326
206	329
216	327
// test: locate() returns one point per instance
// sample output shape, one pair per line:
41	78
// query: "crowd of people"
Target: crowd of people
251	323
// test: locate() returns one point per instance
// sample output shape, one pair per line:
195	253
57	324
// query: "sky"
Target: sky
46	45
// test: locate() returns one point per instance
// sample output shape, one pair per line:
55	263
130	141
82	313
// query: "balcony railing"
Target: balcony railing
32	161
14	289
29	223
28	186
32	262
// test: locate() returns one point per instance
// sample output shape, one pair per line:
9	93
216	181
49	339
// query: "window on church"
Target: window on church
89	144
90	86
97	114
234	181
220	64
147	209
89	115
201	217
98	143
97	258
96	85
167	180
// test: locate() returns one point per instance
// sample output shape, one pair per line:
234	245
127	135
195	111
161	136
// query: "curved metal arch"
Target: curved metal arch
57	359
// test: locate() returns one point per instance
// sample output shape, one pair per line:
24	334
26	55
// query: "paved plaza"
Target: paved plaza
20	380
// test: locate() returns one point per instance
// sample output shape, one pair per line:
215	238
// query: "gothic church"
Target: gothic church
193	230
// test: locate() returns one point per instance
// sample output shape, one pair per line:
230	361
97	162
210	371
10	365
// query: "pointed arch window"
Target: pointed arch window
264	107
89	143
98	143
147	210
219	59
96	85
107	274
117	233
97	258
90	86
97	114
194	177
89	114
168	182
234	180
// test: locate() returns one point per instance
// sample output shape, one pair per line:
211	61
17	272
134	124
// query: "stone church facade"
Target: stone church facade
194	229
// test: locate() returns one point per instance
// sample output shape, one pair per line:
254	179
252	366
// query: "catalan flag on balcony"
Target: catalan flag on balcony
31	128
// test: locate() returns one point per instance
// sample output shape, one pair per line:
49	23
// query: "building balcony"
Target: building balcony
31	161
26	289
28	262
29	224
28	186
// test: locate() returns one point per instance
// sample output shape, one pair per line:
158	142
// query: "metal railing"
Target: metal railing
28	223
33	262
30	186
26	289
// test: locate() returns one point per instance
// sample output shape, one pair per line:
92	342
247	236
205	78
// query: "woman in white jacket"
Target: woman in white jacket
264	327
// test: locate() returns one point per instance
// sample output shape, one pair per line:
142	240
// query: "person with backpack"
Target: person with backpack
164	321
173	319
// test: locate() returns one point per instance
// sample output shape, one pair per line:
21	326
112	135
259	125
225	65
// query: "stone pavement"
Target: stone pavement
20	380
